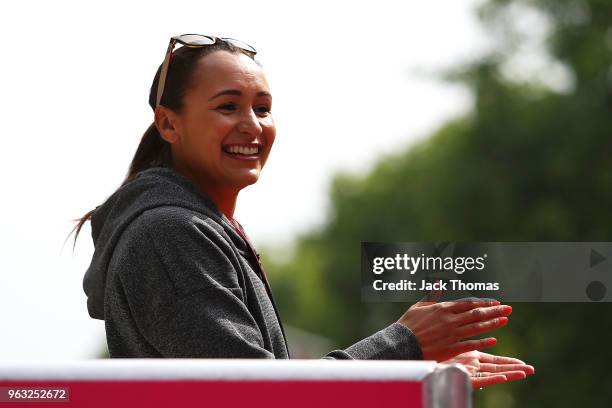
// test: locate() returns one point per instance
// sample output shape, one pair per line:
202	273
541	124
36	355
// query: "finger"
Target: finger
459	306
474	329
498	368
483	313
425	302
471	368
471	345
491	358
485	381
433	295
512	375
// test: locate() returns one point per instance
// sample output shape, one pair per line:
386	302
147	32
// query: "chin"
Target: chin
246	180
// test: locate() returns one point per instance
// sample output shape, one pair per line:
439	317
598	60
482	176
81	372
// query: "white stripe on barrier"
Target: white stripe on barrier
219	369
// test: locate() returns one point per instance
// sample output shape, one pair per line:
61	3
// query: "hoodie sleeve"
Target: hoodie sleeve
394	342
183	292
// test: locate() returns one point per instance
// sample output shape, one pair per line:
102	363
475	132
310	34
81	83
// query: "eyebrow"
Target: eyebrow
236	93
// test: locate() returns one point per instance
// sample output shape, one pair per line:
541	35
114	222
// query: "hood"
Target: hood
151	188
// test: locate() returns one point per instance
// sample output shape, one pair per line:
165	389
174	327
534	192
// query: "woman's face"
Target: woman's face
225	130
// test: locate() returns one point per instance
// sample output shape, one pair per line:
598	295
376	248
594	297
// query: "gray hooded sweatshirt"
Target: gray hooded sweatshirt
172	277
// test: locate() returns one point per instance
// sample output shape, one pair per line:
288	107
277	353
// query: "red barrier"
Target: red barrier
236	383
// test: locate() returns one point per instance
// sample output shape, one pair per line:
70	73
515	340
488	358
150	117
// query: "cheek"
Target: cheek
208	134
270	136
269	130
221	124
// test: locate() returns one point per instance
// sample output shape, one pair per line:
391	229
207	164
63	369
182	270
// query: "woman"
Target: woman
175	275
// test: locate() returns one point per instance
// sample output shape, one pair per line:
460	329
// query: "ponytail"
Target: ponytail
153	151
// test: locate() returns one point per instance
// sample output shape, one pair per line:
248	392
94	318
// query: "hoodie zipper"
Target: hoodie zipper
238	228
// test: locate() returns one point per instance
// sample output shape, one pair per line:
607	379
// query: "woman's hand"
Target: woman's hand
486	369
441	327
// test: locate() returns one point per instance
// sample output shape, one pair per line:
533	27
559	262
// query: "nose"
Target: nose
249	123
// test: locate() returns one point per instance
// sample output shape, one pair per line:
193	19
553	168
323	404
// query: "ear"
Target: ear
167	123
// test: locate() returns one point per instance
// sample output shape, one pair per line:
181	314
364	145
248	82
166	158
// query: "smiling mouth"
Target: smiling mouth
243	151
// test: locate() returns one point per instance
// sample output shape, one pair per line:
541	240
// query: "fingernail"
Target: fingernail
507	309
503	320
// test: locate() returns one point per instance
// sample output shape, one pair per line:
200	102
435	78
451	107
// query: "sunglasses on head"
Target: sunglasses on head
193	41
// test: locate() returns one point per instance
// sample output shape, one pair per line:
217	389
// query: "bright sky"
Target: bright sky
75	80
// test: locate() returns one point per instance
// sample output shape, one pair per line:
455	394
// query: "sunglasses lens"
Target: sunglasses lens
240	44
195	39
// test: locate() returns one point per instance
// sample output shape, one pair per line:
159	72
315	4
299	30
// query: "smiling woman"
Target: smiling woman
175	275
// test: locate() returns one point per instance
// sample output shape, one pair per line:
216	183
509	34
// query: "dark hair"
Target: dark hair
153	150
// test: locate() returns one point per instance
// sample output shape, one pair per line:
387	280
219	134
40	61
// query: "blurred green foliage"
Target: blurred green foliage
531	162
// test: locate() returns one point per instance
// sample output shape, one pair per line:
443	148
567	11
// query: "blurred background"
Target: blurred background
433	121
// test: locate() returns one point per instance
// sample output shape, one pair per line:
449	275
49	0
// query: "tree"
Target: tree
529	163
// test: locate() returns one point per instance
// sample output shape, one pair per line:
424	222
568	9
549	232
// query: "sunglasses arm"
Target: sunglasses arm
164	72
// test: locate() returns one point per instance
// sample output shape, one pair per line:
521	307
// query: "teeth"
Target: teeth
243	150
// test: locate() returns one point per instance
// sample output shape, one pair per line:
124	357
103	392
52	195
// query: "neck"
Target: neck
223	197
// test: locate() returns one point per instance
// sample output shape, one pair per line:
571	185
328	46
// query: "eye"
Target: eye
263	110
228	107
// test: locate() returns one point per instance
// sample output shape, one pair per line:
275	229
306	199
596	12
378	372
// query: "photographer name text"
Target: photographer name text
452	284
